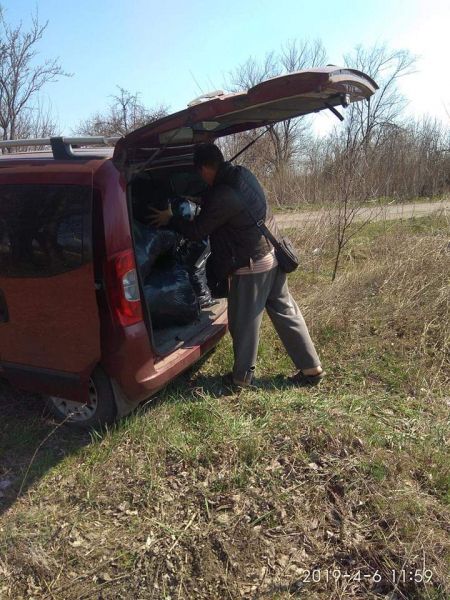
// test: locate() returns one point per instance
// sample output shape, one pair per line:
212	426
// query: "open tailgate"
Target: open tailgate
277	99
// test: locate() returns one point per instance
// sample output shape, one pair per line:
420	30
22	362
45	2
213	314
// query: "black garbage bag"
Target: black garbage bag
200	285
150	244
181	207
193	255
170	297
218	285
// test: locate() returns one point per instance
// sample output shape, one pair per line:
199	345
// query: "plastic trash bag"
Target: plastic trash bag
193	255
182	207
150	244
170	297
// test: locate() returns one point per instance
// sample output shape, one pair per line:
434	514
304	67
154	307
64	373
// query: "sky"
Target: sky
170	51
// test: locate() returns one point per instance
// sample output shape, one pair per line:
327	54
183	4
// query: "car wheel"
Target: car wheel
100	408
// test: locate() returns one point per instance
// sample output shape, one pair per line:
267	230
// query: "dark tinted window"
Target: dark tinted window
44	229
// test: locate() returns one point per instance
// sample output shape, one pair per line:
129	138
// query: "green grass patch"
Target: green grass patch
205	494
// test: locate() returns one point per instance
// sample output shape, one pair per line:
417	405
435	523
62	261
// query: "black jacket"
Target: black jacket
233	234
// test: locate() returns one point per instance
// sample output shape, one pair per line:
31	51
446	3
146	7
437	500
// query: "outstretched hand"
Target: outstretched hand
159	218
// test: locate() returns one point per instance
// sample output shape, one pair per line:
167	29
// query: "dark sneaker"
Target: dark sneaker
302	380
229	382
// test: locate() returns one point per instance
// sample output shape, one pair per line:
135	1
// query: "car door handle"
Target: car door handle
4	314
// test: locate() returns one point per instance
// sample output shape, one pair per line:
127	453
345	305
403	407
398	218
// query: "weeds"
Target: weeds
335	492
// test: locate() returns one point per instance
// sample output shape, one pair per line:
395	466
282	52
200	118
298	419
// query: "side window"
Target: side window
44	229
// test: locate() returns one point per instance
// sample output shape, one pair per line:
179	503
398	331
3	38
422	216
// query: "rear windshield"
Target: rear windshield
44	229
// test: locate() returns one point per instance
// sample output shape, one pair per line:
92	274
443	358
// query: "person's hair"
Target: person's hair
207	155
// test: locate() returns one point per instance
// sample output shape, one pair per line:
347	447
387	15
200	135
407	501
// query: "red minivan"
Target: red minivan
73	323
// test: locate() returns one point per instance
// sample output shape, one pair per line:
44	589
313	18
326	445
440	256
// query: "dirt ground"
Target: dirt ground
377	213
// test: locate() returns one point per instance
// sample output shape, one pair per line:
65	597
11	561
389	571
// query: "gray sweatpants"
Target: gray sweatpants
249	295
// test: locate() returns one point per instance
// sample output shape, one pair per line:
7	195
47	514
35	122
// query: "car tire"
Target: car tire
100	409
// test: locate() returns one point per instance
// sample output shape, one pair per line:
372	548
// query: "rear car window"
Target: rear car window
44	229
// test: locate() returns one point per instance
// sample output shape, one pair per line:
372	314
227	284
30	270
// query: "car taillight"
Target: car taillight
123	288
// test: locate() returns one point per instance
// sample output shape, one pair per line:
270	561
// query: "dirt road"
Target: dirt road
377	213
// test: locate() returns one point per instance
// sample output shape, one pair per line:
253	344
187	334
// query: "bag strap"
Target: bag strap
265	231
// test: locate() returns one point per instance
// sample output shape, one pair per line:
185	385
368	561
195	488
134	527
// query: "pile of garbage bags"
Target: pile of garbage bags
151	244
173	270
193	255
171	297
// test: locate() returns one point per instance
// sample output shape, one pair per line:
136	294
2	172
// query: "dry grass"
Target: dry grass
205	496
396	293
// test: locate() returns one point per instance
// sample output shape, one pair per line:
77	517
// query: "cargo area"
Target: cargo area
172	269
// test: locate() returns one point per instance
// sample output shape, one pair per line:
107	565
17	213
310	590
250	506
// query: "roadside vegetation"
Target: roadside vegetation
336	492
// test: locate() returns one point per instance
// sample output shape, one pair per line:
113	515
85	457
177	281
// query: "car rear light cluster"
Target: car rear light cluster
123	288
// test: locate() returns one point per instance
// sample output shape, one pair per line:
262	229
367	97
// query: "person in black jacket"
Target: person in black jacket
239	251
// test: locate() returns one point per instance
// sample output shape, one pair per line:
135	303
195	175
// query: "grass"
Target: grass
206	495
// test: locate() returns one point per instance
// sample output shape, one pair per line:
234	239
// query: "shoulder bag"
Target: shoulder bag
284	250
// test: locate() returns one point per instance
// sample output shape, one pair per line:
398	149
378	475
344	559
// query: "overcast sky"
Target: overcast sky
170	51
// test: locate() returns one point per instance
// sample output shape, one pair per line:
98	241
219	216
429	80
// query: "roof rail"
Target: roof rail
61	146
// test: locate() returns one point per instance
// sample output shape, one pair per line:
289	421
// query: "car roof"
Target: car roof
84	160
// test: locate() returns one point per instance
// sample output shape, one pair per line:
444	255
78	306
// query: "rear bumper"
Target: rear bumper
179	360
138	374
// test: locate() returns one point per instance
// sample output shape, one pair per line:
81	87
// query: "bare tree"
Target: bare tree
288	136
287	140
125	114
21	79
253	71
367	121
350	186
356	165
37	122
294	56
